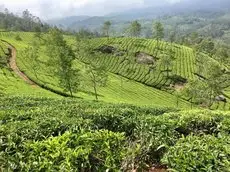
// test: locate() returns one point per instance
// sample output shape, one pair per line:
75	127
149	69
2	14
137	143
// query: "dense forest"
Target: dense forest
26	22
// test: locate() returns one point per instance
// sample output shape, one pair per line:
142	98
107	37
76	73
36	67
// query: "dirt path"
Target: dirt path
24	77
13	64
14	67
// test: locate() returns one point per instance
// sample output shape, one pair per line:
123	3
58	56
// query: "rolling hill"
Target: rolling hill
136	125
118	89
132	79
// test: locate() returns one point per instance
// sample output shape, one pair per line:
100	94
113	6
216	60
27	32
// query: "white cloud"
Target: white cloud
59	8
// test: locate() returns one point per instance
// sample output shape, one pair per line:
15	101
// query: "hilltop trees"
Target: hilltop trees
172	37
158	32
62	57
98	77
135	29
106	28
86	34
222	54
28	22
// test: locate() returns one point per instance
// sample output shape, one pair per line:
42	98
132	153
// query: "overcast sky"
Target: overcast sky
47	9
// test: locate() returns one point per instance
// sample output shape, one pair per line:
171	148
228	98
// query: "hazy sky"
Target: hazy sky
59	8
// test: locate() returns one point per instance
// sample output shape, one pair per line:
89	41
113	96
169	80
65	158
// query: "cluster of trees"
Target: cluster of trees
206	90
26	22
62	57
217	50
83	34
135	29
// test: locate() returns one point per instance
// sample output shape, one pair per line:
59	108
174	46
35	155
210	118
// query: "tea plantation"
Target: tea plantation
43	134
138	124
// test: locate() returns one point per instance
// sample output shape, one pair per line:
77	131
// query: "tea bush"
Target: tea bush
200	153
42	134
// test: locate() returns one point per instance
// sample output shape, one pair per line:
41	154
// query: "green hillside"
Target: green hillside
148	95
153	74
118	89
137	74
140	122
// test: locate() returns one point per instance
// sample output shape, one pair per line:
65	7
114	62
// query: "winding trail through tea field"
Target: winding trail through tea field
15	68
23	76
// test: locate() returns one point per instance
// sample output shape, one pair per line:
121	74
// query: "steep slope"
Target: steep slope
137	73
118	89
11	83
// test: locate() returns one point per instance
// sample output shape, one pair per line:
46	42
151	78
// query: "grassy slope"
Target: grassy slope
11	84
184	65
131	91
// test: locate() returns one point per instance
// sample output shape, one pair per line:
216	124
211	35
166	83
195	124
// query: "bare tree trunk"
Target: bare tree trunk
70	89
167	71
210	99
157	47
95	90
177	101
191	103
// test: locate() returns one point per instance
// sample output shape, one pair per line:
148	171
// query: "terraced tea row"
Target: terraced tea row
125	63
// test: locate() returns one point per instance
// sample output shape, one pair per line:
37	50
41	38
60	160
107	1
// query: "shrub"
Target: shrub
18	38
89	151
199	153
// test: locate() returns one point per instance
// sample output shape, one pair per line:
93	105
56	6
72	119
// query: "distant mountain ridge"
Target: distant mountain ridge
149	13
67	21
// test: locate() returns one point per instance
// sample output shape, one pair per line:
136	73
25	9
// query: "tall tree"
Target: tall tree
98	77
197	92
31	54
166	61
106	28
172	37
135	29
222	54
212	82
62	58
207	46
158	32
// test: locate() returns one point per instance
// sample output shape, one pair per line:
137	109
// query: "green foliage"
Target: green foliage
198	92
120	66
65	134
85	34
106	28
61	57
135	29
91	151
200	153
28	22
207	46
158	31
98	76
222	54
18	38
167	62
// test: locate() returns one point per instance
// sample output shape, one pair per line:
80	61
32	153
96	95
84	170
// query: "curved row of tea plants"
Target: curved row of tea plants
184	63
